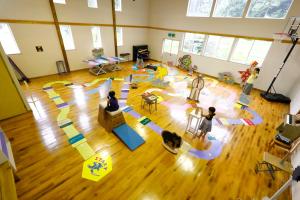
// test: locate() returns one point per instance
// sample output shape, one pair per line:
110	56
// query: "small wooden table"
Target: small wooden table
150	99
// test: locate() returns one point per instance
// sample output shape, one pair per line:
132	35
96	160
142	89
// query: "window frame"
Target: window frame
13	40
248	10
71	33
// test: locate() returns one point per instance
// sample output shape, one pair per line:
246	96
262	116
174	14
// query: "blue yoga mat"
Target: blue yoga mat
128	136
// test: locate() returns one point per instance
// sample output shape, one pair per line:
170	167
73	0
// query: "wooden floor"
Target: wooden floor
50	168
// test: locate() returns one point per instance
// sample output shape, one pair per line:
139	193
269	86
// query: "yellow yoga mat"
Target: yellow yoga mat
85	150
63	113
70	131
96	167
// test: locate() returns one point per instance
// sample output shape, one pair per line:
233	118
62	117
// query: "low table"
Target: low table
150	99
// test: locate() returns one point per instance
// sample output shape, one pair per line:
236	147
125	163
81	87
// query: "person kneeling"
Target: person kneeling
112	102
171	141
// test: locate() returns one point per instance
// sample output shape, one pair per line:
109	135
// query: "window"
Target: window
269	8
92	4
60	1
247	51
67	36
96	34
118	5
229	8
199	8
171	46
218	47
119	36
193	43
7	40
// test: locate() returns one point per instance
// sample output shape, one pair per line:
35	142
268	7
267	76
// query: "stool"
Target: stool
109	120
194	115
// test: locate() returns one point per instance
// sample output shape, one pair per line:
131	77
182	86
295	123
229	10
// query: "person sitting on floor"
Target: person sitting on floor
112	102
206	123
171	141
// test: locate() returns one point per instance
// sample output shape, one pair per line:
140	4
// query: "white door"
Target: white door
170	51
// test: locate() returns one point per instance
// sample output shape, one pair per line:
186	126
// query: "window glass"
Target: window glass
96	34
59	1
269	8
246	51
229	8
92	4
199	8
119	36
67	36
193	43
241	51
7	40
118	5
218	47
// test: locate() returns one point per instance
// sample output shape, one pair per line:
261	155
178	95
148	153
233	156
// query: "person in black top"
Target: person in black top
112	102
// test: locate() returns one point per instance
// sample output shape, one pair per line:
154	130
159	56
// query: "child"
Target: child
206	123
249	83
112	102
171	141
245	74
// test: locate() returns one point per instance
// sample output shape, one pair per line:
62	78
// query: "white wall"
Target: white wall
131	37
35	64
134	12
212	66
31	62
172	14
78	11
25	9
295	107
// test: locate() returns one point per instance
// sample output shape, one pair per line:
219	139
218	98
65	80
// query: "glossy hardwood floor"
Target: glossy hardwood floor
50	168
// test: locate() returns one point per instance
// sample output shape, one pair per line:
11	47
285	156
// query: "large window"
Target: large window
246	51
218	47
193	43
171	46
96	34
7	40
118	5
67	36
119	36
229	8
92	4
60	1
199	8
269	8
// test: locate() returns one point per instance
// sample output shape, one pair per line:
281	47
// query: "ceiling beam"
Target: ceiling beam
62	46
114	27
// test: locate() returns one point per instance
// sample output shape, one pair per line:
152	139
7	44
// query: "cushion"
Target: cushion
115	113
103	104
